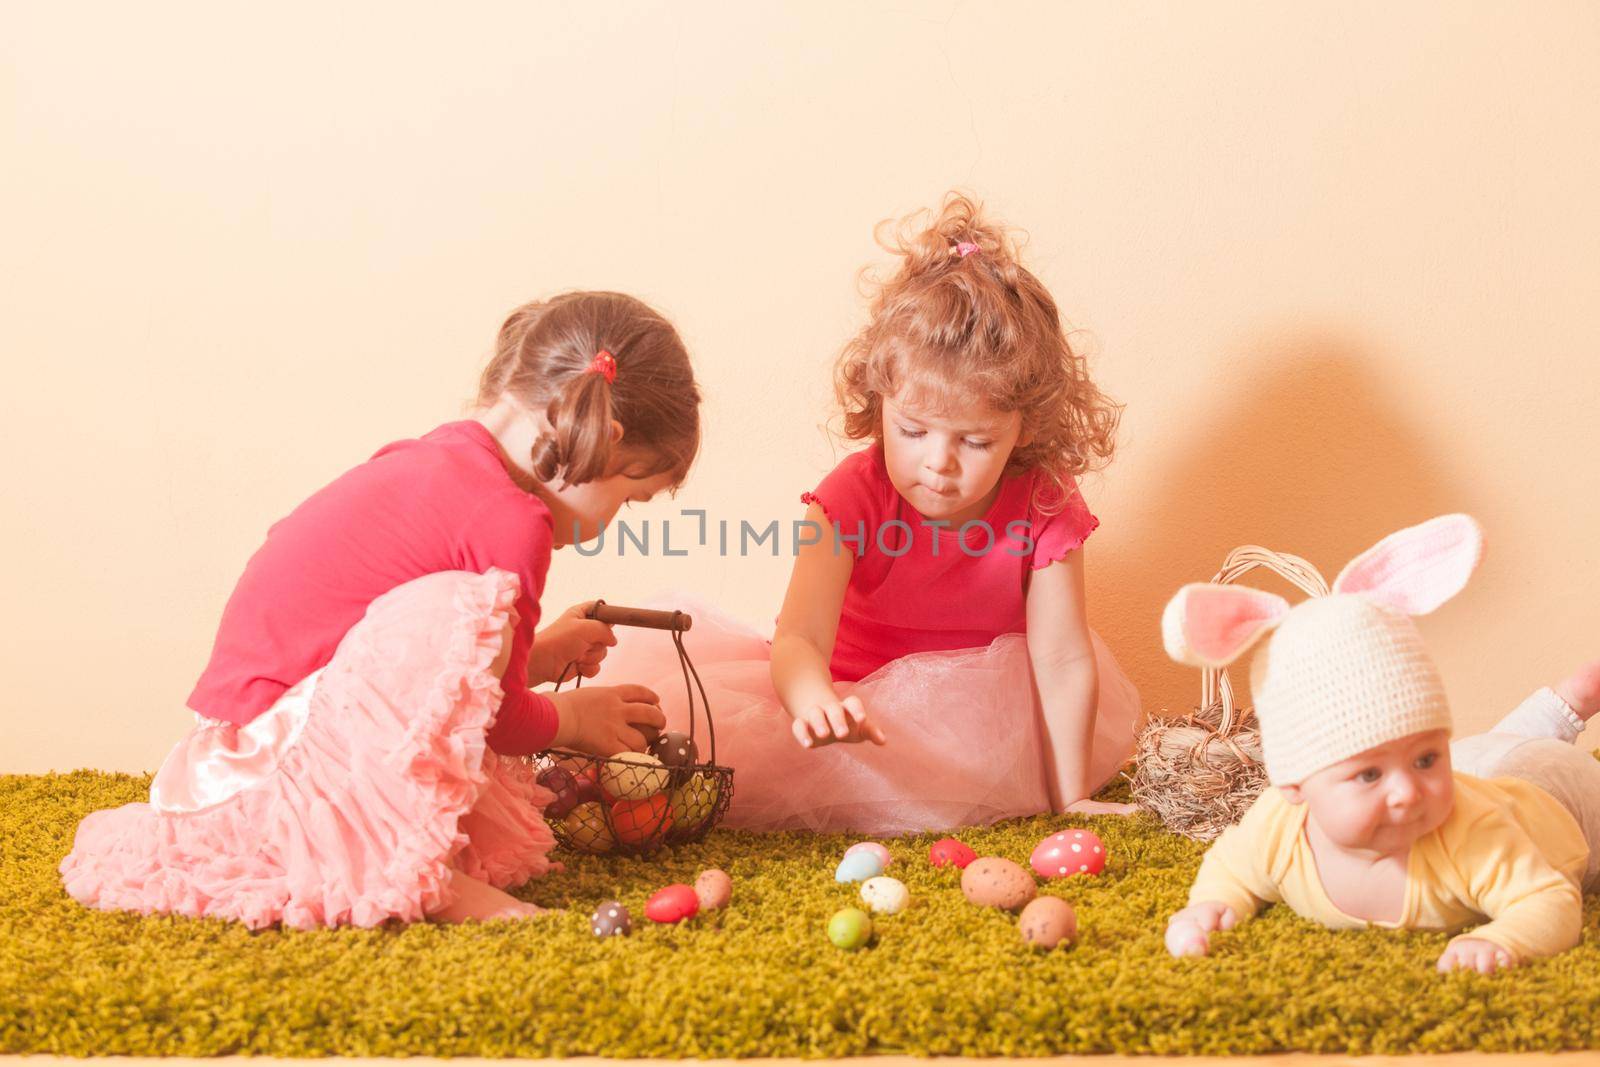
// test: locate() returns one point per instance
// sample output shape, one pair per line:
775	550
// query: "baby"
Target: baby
1373	817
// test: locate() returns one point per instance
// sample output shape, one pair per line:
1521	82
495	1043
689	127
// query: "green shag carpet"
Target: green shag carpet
759	979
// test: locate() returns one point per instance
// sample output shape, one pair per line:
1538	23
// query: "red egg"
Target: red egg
639	822
947	851
1067	853
671	904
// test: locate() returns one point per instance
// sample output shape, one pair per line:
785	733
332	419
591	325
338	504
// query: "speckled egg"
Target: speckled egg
948	852
850	928
1067	853
586	829
611	919
714	888
884	859
632	775
694	800
639	822
885	895
569	789
1048	922
675	750
997	883
858	867
671	904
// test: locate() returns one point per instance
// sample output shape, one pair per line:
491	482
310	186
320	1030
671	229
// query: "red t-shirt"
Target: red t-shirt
440	503
914	588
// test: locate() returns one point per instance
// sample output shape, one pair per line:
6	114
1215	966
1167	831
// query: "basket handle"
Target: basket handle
678	623
1241	561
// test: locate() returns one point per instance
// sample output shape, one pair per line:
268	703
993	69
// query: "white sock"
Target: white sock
1543	714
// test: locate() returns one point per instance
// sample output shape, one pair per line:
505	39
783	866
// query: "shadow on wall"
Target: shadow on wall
1313	456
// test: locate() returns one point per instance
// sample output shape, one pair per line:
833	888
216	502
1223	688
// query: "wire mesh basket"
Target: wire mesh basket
632	803
1200	773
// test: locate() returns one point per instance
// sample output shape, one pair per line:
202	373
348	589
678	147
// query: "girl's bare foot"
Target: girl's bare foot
1581	690
482	902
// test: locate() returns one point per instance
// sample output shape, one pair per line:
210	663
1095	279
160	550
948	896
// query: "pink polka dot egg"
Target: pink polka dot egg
1068	852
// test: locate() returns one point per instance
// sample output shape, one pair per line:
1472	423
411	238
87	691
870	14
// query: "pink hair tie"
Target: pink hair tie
965	249
603	363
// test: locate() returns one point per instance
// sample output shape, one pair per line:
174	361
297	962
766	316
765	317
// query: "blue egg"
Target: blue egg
858	867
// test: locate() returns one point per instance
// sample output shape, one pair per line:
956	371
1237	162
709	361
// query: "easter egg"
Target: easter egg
569	789
948	852
675	750
671	904
858	867
884	895
884	859
632	775
997	883
560	782
714	889
611	919
694	800
586	829
1048	922
640	822
850	928
579	766
1067	853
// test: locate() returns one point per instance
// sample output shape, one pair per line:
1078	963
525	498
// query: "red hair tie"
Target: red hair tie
603	363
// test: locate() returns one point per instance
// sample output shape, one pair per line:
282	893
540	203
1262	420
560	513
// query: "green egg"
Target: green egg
850	928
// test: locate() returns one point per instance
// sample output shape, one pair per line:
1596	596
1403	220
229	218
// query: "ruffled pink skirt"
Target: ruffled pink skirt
965	740
350	800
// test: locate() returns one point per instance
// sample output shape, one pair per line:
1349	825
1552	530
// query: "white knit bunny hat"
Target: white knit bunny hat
1341	673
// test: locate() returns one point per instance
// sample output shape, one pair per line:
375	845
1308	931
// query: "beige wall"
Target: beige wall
1339	260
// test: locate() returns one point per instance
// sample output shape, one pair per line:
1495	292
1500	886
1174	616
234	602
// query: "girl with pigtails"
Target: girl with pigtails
355	754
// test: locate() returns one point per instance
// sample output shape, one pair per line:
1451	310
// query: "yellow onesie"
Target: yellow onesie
1509	852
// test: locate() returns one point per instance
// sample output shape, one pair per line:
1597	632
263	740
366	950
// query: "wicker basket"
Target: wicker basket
1199	774
614	805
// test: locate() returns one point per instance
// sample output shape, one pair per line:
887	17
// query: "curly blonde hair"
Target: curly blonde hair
962	319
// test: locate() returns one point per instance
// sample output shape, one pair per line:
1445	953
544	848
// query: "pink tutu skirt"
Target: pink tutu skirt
965	742
352	797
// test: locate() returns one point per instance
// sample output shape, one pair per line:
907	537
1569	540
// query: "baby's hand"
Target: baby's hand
1473	954
1188	930
836	720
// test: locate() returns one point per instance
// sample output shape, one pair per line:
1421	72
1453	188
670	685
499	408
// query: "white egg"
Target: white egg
885	895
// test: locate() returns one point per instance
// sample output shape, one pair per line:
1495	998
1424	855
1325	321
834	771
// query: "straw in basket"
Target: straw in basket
1199	774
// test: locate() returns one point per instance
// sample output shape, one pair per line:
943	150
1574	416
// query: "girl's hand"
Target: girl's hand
1101	807
1188	931
835	720
606	719
1473	954
571	638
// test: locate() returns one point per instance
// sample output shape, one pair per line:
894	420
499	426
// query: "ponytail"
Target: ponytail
588	360
579	448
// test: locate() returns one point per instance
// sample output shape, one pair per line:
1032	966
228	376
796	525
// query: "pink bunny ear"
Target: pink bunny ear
1208	625
1416	569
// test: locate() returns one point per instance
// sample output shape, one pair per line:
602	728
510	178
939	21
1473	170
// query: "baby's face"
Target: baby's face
1383	799
946	463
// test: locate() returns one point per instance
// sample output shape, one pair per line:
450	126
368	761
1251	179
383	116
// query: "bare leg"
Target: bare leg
1581	690
482	902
